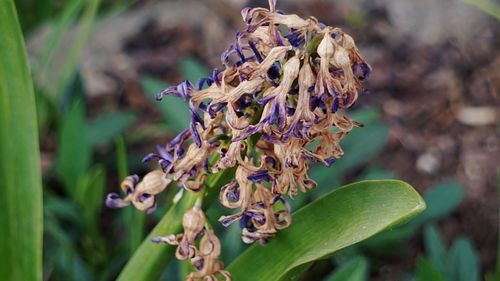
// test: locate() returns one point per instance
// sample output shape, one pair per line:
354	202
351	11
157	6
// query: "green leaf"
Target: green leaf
73	156
341	218
131	216
426	271
51	47
361	145
21	217
175	111
90	195
72	59
435	249
463	262
109	126
192	69
366	116
441	200
354	270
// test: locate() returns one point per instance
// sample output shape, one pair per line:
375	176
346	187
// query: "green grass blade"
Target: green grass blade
354	270
131	216
52	46
463	262
341	218
74	154
435	248
72	59
20	180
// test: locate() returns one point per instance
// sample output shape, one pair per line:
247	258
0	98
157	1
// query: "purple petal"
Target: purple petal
195	115
113	200
148	157
255	51
195	134
283	200
172	90
228	220
259	176
335	104
246	15
179	139
330	161
184	89
164	153
277	37
202	81
216	76
274	71
296	38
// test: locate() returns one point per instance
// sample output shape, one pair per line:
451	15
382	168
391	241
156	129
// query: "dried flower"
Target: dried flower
205	258
141	194
274	109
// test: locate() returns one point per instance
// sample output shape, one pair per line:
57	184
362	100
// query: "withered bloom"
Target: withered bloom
274	109
205	257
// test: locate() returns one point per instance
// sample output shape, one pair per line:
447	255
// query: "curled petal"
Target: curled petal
228	220
169	239
113	200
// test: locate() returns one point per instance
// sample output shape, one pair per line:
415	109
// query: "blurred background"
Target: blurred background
430	110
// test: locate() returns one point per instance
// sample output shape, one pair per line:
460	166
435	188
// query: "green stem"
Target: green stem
132	217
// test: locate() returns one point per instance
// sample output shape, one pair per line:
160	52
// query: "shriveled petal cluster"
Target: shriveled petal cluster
140	193
205	256
275	108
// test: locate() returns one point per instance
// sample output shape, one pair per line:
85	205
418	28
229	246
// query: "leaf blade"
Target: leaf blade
20	177
305	241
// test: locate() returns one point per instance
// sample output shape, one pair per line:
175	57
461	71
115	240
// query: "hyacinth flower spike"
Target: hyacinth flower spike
276	108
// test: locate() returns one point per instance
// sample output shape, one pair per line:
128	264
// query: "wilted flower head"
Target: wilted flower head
141	194
205	257
274	109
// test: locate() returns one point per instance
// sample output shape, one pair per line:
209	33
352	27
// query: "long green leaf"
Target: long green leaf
73	156
463	262
341	218
72	59
20	180
53	43
435	248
